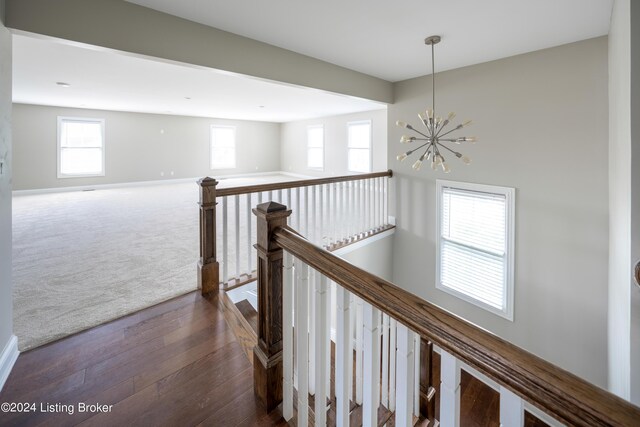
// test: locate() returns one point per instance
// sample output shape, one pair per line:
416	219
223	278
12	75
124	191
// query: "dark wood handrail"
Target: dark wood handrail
559	393
232	191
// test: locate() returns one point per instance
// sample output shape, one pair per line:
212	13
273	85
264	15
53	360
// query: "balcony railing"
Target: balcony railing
293	279
331	212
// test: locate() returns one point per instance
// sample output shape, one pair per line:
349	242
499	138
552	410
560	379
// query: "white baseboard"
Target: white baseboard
145	183
8	359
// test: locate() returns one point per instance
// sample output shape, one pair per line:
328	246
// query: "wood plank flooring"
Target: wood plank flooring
174	364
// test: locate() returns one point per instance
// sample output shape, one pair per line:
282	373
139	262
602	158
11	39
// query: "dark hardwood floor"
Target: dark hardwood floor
174	364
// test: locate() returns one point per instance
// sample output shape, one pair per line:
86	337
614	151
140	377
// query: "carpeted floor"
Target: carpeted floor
86	257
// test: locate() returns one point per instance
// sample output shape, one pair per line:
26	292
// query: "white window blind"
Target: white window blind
475	244
359	145
223	147
315	147
80	147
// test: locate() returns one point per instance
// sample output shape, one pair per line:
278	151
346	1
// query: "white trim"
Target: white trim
364	242
36	191
62	119
509	284
8	359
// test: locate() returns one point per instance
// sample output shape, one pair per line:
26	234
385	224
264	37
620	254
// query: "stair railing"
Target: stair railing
331	212
291	268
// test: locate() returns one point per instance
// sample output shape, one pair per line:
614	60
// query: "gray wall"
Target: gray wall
294	143
542	120
635	199
136	150
6	299
119	25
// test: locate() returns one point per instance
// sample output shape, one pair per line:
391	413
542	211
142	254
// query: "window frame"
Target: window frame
211	147
309	128
63	119
509	258
369	148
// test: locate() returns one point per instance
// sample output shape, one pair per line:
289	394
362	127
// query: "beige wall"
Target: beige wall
119	25
139	147
294	143
6	299
542	122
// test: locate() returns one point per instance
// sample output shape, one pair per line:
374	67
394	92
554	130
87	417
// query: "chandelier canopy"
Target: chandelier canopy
436	132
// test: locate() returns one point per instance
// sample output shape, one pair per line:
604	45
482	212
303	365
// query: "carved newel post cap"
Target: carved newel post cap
207	181
269	207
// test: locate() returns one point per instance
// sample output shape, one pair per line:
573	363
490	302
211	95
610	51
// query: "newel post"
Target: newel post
267	354
427	391
208	267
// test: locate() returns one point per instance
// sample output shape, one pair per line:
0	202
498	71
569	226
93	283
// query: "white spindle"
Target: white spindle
225	239
236	224
304	229
371	368
405	376
321	234
449	390
259	197
416	371
343	355
333	206
313	324
359	359
302	341
344	213
323	346
385	218
287	337
289	205
313	216
392	365
367	208
269	196
298	213
248	226
511	408
279	196
385	360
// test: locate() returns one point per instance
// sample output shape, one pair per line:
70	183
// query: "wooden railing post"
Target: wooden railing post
427	391
267	354
208	267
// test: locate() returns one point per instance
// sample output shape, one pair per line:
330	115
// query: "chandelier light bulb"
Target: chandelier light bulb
402	124
430	113
417	165
466	160
406	138
471	139
402	156
467	122
451	116
433	165
445	167
438	159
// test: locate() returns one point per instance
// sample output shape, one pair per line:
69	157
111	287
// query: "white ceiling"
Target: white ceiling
383	39
386	38
109	80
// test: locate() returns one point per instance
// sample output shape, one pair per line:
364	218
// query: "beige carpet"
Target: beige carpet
86	257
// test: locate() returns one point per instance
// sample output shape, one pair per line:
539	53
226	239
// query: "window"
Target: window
223	147
315	147
80	147
475	244
359	143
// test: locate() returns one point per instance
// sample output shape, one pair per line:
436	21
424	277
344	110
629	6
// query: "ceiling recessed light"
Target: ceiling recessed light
260	106
63	84
186	97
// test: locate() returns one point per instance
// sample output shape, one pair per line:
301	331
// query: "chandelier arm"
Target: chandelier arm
447	148
417	131
452	130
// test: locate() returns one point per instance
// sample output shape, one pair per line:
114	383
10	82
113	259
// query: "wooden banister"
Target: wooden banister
557	392
232	191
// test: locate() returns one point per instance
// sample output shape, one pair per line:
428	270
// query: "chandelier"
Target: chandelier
436	130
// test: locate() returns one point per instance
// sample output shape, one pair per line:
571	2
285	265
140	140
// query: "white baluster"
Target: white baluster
392	365
321	216
416	370
302	341
449	390
312	215
269	196
279	196
287	337
236	202
385	218
313	324
247	218
323	346
343	356
511	408
225	239
305	212
298	213
289	205
368	212
371	365
333	206
359	358
405	376
385	360
259	197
